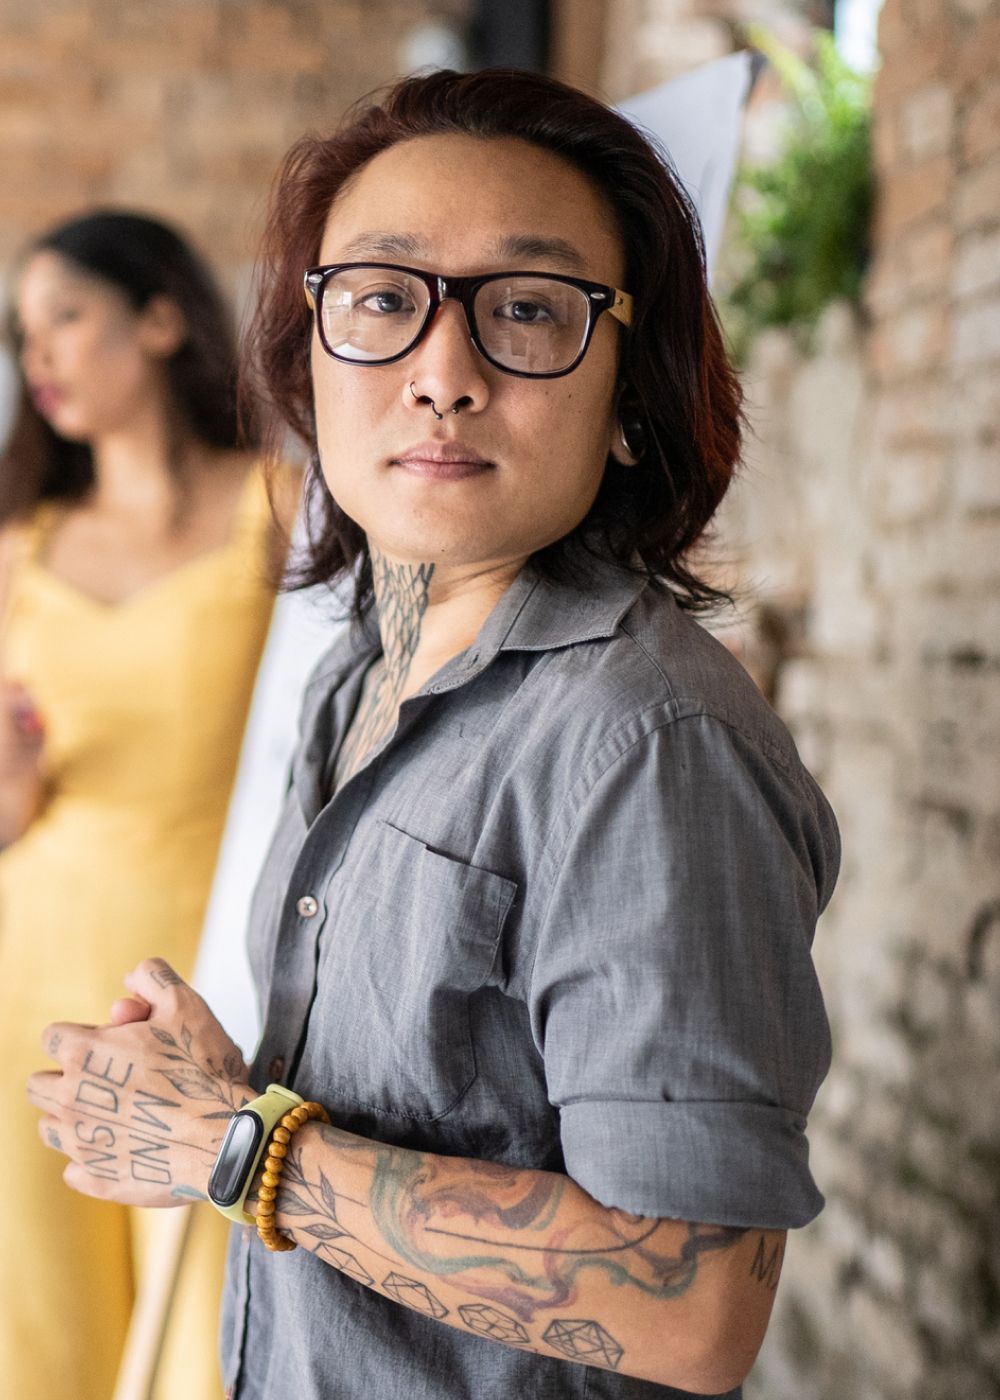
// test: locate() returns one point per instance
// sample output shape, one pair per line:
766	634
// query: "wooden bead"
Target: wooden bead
274	1162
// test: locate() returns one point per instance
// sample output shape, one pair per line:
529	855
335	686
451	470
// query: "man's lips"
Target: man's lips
442	461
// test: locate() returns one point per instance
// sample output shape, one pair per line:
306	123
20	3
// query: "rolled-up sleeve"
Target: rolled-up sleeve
673	993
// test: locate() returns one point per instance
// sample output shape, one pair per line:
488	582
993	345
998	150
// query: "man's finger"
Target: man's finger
50	1130
44	1087
62	1038
127	1010
152	979
88	1183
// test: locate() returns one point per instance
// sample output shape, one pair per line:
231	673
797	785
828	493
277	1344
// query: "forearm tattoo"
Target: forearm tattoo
514	1243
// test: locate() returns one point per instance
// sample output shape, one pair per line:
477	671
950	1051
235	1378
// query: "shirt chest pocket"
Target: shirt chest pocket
413	937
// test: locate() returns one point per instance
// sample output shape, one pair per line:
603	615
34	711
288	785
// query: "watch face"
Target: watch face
236	1158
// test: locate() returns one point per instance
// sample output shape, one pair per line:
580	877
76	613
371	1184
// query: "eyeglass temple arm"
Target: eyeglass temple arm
621	307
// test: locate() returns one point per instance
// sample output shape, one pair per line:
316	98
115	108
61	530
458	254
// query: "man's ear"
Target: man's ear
162	327
628	436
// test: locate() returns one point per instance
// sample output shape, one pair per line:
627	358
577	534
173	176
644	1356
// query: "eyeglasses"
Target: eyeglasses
534	324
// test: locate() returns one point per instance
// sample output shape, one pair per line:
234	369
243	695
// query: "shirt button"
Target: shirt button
307	906
276	1068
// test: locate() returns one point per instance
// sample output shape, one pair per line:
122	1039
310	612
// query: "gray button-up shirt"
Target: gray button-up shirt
562	919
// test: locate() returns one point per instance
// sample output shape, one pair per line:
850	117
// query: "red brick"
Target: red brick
72	26
906	196
981	129
974	9
977	56
885	138
977	196
921	56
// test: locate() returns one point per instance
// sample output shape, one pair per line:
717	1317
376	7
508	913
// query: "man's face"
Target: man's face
536	448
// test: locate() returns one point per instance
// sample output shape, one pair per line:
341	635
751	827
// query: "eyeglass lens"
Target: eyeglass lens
534	325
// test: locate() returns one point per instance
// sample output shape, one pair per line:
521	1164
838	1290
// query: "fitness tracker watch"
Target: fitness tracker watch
244	1145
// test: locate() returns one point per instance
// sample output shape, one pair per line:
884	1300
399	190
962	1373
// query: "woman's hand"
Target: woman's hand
22	738
140	1106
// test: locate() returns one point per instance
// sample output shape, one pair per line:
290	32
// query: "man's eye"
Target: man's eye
528	313
387	303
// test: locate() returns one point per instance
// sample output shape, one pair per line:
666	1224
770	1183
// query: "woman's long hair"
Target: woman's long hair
141	258
677	383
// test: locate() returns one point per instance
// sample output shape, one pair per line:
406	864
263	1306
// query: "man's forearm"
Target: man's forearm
530	1259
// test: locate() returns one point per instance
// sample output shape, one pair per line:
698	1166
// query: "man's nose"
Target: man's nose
446	366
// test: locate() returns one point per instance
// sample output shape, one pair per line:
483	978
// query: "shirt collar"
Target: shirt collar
535	614
541	614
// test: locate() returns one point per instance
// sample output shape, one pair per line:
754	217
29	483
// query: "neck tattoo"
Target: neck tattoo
401	595
402	592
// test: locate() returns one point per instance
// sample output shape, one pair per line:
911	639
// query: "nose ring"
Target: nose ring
419	398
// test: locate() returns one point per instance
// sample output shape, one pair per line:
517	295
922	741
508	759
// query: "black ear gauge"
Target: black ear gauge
632	432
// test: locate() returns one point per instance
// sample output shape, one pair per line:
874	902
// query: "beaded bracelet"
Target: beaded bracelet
273	1165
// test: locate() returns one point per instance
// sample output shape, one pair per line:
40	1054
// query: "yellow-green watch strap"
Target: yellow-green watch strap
244	1147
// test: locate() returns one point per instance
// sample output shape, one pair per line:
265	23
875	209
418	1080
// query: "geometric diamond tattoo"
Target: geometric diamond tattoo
414	1295
347	1264
583	1341
491	1322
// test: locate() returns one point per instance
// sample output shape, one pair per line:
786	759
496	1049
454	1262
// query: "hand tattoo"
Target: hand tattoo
165	976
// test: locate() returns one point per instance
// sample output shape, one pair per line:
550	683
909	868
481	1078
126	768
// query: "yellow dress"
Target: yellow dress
144	704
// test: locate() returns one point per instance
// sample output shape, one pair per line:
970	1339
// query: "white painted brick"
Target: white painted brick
976	333
977	264
927	120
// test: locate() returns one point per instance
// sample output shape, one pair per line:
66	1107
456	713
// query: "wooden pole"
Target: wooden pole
151	1312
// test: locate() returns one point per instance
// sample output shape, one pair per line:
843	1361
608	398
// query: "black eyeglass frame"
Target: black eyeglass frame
600	298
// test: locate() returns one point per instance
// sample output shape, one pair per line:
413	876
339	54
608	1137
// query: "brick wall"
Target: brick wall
182	108
869	520
865	536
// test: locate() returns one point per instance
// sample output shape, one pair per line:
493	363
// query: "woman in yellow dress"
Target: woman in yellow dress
137	560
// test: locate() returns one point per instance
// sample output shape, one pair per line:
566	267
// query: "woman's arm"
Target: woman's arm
524	1257
21	730
22	737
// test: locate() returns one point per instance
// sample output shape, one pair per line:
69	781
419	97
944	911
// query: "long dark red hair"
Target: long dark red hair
677	383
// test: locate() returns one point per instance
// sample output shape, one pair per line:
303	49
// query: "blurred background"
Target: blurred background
860	287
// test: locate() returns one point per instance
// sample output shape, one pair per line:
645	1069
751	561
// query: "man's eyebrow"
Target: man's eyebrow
520	248
376	244
513	249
